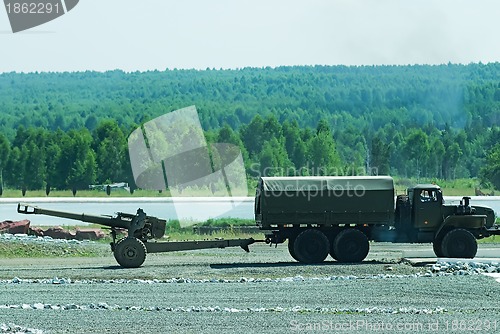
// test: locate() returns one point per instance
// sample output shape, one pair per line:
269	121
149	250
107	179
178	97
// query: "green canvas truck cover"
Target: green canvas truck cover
325	200
314	183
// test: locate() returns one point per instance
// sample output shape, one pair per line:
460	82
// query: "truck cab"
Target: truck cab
418	213
427	200
422	216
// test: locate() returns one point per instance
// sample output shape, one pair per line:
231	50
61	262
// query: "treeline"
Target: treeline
39	158
69	129
273	148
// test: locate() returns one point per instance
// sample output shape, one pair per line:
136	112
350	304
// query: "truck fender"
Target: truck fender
468	222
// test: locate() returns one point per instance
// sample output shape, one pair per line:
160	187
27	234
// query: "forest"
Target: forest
69	130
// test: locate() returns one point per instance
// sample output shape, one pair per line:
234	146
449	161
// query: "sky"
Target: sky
141	35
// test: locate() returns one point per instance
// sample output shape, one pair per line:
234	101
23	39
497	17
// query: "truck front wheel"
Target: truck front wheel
130	252
437	246
351	245
311	246
459	243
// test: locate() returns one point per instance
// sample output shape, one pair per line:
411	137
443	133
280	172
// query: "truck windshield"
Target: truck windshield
429	195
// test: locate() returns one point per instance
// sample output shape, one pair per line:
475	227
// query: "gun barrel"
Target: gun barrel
118	221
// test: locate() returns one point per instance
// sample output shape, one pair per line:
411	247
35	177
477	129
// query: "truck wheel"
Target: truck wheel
291	242
459	243
130	252
311	246
332	250
351	245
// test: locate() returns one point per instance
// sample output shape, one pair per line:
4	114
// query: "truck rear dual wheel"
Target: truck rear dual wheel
350	245
310	246
459	243
332	250
291	250
130	252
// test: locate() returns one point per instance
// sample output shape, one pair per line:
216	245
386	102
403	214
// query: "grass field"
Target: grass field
16	193
458	187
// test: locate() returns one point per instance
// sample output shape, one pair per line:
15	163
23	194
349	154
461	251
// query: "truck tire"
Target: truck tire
351	245
291	242
437	246
459	243
130	252
311	246
332	251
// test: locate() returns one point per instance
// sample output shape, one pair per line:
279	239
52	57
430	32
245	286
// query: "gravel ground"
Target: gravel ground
213	291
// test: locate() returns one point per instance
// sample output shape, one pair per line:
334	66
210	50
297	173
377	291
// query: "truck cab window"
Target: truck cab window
428	196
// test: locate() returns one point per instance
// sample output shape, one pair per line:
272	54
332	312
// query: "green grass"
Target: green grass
12	193
16	193
189	235
226	222
458	187
494	239
175	232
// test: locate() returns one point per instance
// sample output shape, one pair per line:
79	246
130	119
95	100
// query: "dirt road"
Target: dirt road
214	291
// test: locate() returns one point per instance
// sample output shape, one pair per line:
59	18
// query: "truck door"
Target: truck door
427	204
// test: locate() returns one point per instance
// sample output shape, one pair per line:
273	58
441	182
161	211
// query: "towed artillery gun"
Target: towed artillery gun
130	251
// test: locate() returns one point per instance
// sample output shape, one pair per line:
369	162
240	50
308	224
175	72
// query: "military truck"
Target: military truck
340	215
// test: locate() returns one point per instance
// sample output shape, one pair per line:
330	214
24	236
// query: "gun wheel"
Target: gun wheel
130	252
